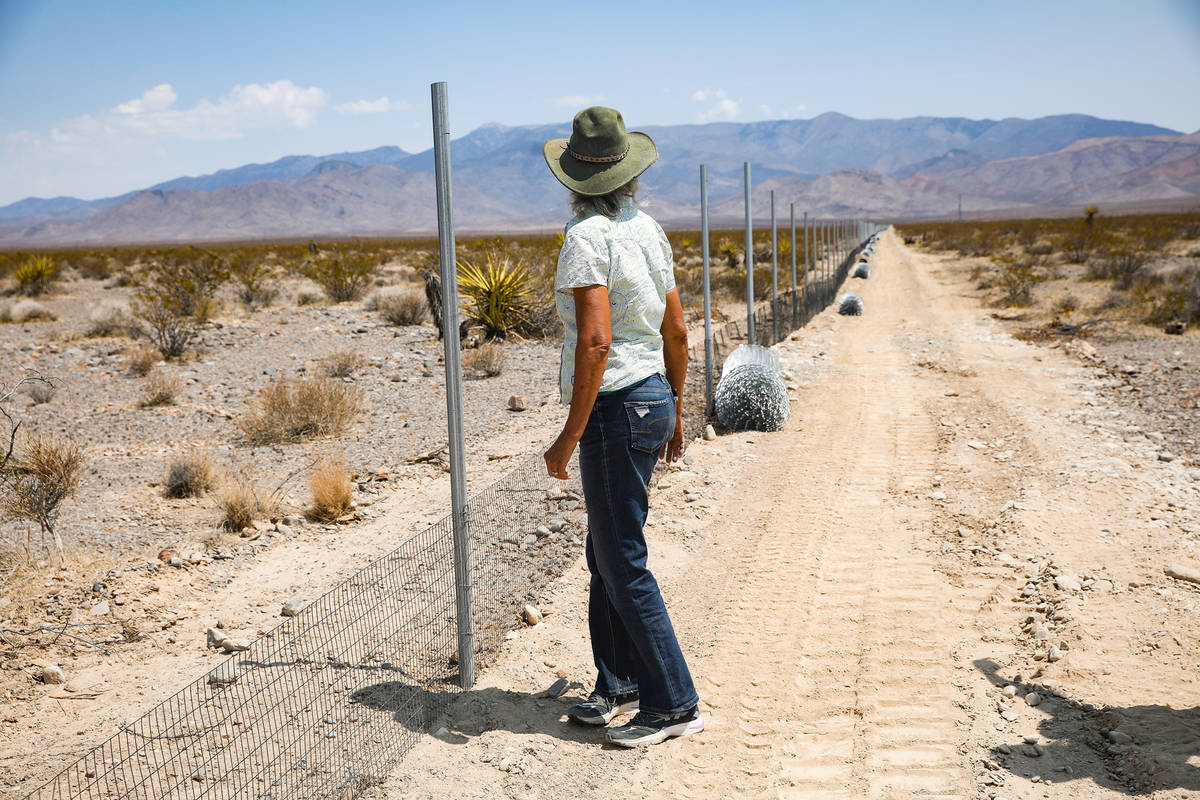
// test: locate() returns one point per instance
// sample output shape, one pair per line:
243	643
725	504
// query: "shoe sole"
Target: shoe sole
670	732
624	708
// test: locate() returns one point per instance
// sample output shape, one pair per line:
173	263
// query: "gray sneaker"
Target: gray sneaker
601	710
647	728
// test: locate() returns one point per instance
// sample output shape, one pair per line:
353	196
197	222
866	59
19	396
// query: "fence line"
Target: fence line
323	704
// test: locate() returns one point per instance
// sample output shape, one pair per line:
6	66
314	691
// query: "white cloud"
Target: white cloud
724	107
579	100
280	104
792	113
380	106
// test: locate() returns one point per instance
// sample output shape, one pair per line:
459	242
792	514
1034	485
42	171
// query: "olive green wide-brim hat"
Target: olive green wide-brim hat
601	155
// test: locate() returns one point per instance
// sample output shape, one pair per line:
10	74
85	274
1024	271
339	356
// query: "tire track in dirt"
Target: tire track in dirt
832	674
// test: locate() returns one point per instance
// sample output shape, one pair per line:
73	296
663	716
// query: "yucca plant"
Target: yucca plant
35	275
499	291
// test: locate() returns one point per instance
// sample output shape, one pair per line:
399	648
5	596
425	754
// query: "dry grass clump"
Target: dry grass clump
485	361
332	492
25	311
35	483
109	318
406	307
141	359
240	504
161	389
343	363
292	410
309	296
190	475
41	391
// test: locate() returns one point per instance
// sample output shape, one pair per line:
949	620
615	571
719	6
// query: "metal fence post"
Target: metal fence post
795	293
749	259
464	608
807	270
774	274
708	342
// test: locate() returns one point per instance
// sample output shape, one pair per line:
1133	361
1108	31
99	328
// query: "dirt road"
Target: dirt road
949	512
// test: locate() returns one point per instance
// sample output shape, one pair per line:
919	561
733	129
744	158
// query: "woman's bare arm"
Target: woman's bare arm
675	340
594	323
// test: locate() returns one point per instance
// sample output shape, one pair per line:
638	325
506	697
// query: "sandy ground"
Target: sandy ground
950	518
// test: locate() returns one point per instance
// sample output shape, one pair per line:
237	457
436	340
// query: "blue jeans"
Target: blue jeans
633	642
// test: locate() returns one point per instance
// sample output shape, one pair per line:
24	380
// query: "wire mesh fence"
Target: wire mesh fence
323	704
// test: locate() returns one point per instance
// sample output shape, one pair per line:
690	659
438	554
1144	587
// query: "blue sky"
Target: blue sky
97	98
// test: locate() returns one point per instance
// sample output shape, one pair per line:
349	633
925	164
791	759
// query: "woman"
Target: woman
623	364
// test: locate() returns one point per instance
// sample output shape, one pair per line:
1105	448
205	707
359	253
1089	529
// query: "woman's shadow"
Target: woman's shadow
1157	747
473	712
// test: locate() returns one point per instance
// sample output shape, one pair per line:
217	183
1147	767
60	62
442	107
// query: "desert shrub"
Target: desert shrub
343	276
36	275
255	281
93	265
498	291
176	298
37	481
1067	304
292	410
1016	284
309	296
241	503
402	308
1122	266
109	318
160	389
190	475
25	311
730	251
41	391
485	361
332	493
1039	249
343	363
141	359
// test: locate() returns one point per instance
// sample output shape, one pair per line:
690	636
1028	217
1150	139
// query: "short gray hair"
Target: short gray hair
607	204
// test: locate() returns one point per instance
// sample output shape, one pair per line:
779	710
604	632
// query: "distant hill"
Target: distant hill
831	164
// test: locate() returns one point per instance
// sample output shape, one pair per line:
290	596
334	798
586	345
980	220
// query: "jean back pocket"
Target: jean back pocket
650	423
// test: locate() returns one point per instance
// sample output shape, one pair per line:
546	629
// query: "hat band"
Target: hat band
598	159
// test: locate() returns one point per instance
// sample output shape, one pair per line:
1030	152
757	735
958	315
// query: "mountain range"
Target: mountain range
829	165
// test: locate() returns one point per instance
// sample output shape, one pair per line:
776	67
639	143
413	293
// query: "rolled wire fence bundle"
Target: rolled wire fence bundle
752	394
322	705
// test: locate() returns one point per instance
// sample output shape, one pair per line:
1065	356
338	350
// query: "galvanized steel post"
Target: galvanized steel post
795	293
749	259
464	608
708	343
774	274
807	269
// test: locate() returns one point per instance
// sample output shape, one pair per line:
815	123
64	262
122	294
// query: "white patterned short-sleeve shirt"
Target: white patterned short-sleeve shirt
632	257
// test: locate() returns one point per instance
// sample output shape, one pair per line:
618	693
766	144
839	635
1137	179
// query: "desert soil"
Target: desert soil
944	578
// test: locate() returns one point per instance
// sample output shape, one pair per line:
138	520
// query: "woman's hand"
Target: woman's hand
559	455
673	449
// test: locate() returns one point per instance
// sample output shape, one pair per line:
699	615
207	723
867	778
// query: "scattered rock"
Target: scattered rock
224	675
530	539
1183	573
1009	691
215	637
233	646
517	402
1119	737
1068	583
167	553
101	608
292	521
557	688
176	561
710	433
292	607
1040	634
1166	457
562	673
1054	654
531	614
937	496
1033	699
52	674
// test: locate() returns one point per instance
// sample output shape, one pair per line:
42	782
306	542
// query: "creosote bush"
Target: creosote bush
343	275
110	318
190	475
255	281
176	298
293	410
332	493
485	361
